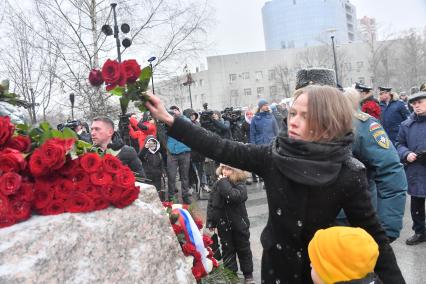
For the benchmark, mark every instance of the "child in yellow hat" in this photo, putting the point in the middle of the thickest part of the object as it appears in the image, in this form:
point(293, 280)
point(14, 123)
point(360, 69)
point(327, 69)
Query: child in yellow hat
point(343, 255)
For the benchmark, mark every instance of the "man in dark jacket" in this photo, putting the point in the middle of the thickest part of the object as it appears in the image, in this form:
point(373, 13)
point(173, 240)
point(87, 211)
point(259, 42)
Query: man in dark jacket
point(393, 112)
point(263, 127)
point(412, 150)
point(104, 137)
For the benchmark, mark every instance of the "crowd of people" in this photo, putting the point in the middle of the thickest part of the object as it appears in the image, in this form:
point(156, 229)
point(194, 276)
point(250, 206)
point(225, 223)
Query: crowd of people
point(331, 160)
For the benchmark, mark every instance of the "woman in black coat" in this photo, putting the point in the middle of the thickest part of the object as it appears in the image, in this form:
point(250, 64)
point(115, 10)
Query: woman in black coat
point(309, 175)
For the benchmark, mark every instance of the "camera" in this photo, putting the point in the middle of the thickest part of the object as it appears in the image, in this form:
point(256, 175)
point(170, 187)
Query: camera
point(231, 115)
point(72, 124)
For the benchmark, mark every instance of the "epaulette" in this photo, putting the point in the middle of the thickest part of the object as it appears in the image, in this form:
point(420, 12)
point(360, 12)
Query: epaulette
point(362, 116)
point(354, 164)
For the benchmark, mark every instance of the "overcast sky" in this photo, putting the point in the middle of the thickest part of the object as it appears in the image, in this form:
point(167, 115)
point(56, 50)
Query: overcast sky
point(239, 22)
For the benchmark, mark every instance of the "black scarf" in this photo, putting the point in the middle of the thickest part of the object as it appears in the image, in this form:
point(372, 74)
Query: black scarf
point(311, 163)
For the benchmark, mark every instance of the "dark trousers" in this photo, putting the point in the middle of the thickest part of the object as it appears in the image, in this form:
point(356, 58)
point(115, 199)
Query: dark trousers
point(181, 161)
point(199, 166)
point(156, 181)
point(418, 214)
point(236, 242)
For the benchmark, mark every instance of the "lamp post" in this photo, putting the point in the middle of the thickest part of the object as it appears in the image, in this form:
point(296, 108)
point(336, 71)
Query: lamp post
point(188, 82)
point(152, 72)
point(123, 124)
point(125, 28)
point(72, 97)
point(335, 60)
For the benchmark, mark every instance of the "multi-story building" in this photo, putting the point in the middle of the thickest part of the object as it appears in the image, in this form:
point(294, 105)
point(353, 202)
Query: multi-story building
point(303, 23)
point(242, 79)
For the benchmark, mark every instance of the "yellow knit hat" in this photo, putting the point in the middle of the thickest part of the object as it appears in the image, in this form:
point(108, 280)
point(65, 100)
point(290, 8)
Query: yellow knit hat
point(342, 254)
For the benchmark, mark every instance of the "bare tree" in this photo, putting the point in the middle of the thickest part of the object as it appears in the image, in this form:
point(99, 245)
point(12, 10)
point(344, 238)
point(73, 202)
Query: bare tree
point(412, 59)
point(29, 63)
point(284, 78)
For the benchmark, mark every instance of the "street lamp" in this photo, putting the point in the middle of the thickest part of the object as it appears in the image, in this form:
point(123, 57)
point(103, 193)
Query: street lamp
point(125, 28)
point(188, 82)
point(335, 60)
point(152, 72)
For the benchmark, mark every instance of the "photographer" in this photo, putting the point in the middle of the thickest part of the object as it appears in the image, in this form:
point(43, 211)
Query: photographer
point(221, 127)
point(80, 128)
point(235, 120)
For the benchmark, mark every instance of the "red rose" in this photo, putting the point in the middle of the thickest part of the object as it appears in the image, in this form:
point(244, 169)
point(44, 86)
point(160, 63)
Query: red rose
point(54, 208)
point(167, 204)
point(188, 249)
point(92, 191)
point(199, 223)
point(26, 192)
point(215, 262)
point(207, 241)
point(42, 197)
point(131, 69)
point(6, 220)
point(79, 202)
point(127, 197)
point(10, 183)
point(111, 164)
point(113, 74)
point(11, 160)
point(112, 194)
point(37, 166)
point(4, 204)
point(20, 210)
point(70, 166)
point(54, 151)
point(90, 162)
point(21, 143)
point(198, 271)
point(6, 130)
point(63, 189)
point(100, 178)
point(81, 178)
point(95, 77)
point(100, 203)
point(177, 229)
point(125, 178)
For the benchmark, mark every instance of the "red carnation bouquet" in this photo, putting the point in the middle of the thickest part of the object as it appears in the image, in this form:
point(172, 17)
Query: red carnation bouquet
point(125, 79)
point(51, 172)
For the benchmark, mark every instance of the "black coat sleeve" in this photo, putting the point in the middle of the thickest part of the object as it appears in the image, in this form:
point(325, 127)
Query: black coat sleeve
point(252, 158)
point(230, 192)
point(129, 157)
point(360, 213)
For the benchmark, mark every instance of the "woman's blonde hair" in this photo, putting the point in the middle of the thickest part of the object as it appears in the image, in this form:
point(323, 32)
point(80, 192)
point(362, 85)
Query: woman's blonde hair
point(236, 176)
point(329, 115)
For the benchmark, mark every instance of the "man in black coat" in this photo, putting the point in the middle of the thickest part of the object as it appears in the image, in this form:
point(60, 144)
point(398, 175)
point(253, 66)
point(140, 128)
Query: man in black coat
point(104, 137)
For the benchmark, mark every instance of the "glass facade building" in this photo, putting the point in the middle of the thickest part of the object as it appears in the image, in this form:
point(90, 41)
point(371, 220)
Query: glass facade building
point(303, 23)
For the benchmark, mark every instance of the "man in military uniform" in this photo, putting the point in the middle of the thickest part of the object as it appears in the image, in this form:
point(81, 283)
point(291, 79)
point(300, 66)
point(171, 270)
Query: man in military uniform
point(385, 173)
point(369, 104)
point(393, 112)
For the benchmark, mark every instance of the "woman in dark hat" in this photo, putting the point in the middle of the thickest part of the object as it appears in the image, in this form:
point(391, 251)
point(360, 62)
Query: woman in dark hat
point(310, 175)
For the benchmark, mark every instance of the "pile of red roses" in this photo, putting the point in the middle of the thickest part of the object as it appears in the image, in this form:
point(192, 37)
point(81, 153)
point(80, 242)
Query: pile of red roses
point(16, 190)
point(115, 74)
point(85, 184)
point(50, 182)
point(187, 247)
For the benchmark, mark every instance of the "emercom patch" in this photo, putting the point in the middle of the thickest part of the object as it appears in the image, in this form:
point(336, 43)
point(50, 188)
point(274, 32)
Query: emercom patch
point(381, 138)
